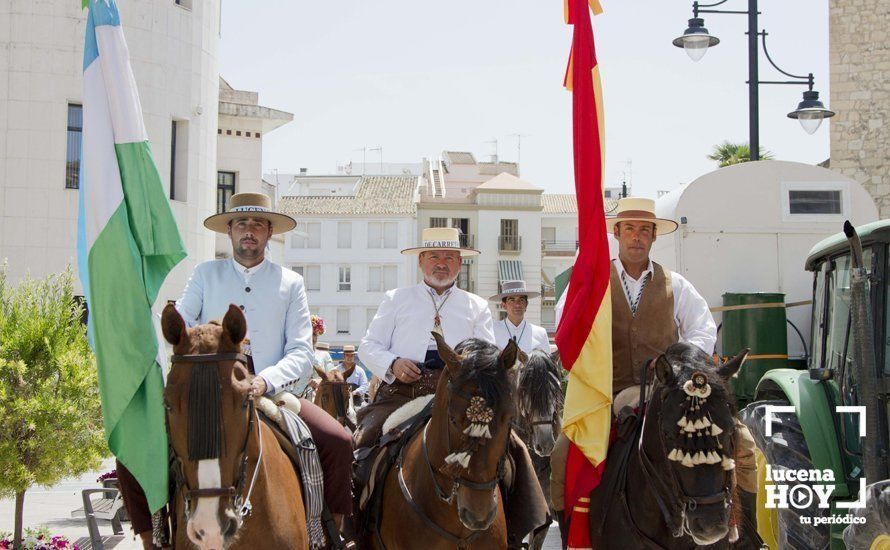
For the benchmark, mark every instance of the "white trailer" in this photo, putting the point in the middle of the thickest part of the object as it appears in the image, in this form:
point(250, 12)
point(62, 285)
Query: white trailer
point(749, 228)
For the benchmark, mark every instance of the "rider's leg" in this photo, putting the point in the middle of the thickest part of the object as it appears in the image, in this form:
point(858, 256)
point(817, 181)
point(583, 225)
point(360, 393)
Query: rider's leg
point(135, 502)
point(558, 482)
point(746, 471)
point(335, 453)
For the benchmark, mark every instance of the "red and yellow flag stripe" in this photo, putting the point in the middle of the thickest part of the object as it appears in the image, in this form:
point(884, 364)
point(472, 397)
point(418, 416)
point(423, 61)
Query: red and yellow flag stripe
point(584, 336)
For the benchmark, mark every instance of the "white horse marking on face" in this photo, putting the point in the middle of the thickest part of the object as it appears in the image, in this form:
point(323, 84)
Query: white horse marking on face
point(204, 529)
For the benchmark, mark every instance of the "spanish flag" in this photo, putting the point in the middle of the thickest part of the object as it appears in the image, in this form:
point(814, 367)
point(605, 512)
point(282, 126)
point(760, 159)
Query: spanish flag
point(584, 336)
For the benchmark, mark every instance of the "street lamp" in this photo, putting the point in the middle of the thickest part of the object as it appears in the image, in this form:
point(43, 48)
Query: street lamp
point(696, 40)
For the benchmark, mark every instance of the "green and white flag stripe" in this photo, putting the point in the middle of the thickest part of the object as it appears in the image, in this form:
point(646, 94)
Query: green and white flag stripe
point(127, 243)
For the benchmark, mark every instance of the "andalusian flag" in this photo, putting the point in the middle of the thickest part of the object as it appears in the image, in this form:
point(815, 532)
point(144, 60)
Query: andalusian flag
point(584, 336)
point(127, 242)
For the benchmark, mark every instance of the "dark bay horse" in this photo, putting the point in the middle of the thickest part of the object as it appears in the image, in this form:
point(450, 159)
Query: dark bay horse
point(538, 421)
point(335, 396)
point(236, 488)
point(443, 492)
point(670, 483)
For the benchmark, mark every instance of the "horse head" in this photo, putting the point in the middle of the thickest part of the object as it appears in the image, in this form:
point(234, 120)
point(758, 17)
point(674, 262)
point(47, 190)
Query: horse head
point(474, 410)
point(335, 396)
point(208, 389)
point(539, 400)
point(688, 437)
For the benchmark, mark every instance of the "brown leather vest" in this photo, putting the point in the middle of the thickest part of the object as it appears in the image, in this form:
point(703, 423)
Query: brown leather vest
point(642, 337)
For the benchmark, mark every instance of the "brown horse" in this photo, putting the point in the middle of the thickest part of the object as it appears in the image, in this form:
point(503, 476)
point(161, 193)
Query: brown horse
point(669, 483)
point(235, 486)
point(443, 492)
point(335, 396)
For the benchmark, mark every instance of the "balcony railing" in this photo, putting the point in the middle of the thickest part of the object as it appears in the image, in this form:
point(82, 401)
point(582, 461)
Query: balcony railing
point(559, 248)
point(510, 243)
point(468, 241)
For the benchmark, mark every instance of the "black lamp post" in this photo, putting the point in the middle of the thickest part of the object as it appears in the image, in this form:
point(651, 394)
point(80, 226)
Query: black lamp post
point(696, 40)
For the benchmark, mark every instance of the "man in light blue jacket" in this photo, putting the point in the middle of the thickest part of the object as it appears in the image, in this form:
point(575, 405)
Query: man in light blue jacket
point(274, 303)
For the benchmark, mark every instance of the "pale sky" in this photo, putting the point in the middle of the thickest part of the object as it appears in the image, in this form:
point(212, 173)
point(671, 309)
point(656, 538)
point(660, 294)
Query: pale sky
point(420, 77)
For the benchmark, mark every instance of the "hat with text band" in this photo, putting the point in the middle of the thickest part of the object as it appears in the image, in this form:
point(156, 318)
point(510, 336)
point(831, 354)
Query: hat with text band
point(348, 348)
point(250, 205)
point(441, 238)
point(513, 288)
point(640, 210)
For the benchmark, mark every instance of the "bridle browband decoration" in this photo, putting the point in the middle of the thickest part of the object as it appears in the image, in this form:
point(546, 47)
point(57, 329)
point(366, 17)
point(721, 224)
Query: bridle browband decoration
point(671, 496)
point(480, 416)
point(240, 503)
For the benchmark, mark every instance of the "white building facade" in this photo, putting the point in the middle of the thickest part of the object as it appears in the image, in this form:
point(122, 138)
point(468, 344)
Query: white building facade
point(41, 65)
point(347, 246)
point(173, 47)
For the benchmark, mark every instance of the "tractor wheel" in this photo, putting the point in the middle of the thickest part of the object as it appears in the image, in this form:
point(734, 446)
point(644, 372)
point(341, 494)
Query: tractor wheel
point(874, 532)
point(786, 449)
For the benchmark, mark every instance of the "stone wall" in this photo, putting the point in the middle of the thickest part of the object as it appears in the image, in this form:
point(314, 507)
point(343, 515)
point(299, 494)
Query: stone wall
point(860, 73)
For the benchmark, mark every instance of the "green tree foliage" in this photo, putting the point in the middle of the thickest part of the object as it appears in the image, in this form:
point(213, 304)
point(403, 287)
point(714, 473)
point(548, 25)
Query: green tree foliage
point(51, 421)
point(727, 154)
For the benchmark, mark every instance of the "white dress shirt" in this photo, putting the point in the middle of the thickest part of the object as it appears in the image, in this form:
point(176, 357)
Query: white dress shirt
point(528, 336)
point(695, 324)
point(274, 303)
point(403, 323)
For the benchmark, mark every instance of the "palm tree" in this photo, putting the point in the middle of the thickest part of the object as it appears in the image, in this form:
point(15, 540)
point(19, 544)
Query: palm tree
point(728, 153)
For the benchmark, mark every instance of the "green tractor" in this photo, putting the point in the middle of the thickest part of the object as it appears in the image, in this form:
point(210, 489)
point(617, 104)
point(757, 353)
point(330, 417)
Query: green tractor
point(816, 460)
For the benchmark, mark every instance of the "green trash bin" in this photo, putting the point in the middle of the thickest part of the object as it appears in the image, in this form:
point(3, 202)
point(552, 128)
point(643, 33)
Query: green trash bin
point(762, 328)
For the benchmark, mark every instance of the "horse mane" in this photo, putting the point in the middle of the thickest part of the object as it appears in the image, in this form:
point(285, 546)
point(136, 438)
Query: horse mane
point(481, 365)
point(539, 384)
point(205, 399)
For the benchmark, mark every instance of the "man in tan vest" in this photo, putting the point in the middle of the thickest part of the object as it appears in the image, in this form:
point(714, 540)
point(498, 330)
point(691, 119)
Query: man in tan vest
point(652, 308)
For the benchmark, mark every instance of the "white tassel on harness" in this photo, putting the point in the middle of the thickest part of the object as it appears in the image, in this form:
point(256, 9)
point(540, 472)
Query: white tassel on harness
point(462, 458)
point(480, 416)
point(478, 430)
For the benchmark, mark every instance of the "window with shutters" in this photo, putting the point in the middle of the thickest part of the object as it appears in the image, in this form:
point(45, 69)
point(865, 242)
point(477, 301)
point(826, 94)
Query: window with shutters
point(383, 234)
point(382, 277)
point(438, 222)
point(344, 235)
point(342, 321)
point(369, 316)
point(311, 276)
point(312, 238)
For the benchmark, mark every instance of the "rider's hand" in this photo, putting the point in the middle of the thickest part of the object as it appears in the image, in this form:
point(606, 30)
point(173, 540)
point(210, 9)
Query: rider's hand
point(258, 386)
point(405, 370)
point(313, 384)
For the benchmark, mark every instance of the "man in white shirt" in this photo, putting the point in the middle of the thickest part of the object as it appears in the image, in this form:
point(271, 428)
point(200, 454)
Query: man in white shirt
point(652, 308)
point(400, 350)
point(358, 378)
point(398, 346)
point(514, 298)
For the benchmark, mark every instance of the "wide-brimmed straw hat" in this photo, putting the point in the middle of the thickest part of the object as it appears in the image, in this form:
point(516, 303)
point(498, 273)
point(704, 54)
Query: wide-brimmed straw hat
point(441, 238)
point(513, 288)
point(322, 346)
point(348, 348)
point(640, 210)
point(250, 205)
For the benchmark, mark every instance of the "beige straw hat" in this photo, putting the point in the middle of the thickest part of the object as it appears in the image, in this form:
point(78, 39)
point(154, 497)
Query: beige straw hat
point(250, 205)
point(640, 210)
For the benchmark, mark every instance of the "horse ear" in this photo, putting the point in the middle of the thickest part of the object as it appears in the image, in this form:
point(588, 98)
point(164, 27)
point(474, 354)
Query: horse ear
point(523, 357)
point(510, 354)
point(172, 325)
point(234, 324)
point(664, 371)
point(348, 372)
point(446, 353)
point(728, 369)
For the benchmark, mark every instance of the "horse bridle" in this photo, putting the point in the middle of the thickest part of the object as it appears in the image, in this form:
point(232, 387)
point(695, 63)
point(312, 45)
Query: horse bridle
point(339, 405)
point(683, 502)
point(240, 503)
point(456, 480)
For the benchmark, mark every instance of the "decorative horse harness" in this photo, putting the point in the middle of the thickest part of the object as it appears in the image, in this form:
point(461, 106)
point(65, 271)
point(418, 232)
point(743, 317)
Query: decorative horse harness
point(670, 495)
point(480, 416)
point(240, 503)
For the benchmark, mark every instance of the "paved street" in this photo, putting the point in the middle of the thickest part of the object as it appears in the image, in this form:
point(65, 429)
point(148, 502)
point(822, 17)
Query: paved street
point(52, 507)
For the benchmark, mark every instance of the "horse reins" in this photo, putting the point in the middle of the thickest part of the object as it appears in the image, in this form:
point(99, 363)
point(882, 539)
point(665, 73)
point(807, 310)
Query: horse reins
point(241, 504)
